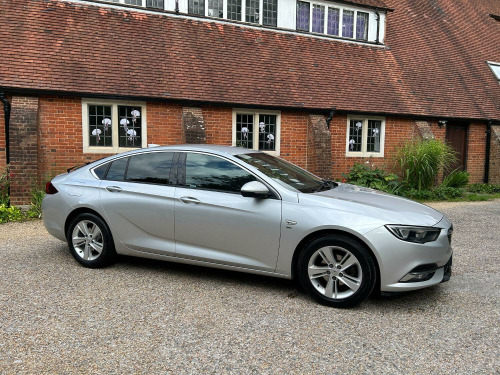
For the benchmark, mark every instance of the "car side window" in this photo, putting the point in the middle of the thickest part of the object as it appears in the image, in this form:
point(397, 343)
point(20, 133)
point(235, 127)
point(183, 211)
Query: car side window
point(214, 173)
point(116, 171)
point(101, 170)
point(152, 168)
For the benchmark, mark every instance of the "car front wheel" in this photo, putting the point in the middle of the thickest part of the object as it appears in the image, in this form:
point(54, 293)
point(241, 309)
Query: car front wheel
point(336, 270)
point(90, 241)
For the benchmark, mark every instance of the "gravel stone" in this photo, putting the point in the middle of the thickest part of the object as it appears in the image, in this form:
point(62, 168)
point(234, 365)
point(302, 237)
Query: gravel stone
point(144, 316)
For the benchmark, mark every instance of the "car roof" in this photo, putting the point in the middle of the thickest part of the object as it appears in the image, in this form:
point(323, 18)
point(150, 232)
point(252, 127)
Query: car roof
point(217, 149)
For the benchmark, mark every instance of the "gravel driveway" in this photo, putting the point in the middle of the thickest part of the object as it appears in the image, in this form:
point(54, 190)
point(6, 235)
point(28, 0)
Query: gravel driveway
point(157, 317)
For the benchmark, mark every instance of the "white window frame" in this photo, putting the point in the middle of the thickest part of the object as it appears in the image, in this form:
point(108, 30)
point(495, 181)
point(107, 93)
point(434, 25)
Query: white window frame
point(364, 137)
point(114, 125)
point(143, 4)
point(341, 9)
point(256, 113)
point(495, 68)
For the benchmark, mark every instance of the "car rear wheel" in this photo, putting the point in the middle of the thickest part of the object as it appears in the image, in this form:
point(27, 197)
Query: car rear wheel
point(90, 241)
point(336, 270)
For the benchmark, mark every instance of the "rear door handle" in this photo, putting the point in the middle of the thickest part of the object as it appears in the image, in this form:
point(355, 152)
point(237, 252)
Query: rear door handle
point(189, 200)
point(113, 189)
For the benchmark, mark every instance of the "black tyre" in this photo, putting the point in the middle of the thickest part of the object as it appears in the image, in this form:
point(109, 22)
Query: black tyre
point(90, 241)
point(336, 270)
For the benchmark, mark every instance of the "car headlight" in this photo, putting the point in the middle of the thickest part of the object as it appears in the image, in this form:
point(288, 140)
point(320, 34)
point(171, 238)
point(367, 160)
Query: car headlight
point(414, 234)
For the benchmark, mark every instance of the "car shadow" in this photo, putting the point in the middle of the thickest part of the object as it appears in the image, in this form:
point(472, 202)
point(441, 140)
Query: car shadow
point(418, 300)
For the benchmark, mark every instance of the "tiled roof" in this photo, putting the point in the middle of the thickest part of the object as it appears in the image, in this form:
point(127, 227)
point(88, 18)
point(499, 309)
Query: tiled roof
point(442, 47)
point(70, 47)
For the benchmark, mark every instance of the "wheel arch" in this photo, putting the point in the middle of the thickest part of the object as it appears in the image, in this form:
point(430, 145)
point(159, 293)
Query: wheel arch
point(324, 232)
point(78, 211)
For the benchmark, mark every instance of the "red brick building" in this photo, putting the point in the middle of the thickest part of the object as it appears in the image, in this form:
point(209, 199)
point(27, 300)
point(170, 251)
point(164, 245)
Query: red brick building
point(323, 84)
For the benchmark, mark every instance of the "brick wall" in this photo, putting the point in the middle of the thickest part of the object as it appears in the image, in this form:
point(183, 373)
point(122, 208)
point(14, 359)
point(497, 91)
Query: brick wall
point(164, 124)
point(193, 126)
point(476, 152)
point(494, 177)
point(294, 138)
point(60, 136)
point(319, 146)
point(397, 132)
point(218, 125)
point(23, 148)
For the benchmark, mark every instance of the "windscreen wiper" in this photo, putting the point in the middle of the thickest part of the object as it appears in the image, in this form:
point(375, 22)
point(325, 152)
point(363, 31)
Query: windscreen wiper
point(326, 185)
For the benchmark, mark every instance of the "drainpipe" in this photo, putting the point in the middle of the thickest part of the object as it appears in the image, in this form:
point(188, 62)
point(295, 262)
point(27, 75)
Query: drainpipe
point(6, 112)
point(487, 156)
point(377, 14)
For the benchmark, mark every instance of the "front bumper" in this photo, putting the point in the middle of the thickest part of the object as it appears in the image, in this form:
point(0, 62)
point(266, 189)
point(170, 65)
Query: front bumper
point(397, 259)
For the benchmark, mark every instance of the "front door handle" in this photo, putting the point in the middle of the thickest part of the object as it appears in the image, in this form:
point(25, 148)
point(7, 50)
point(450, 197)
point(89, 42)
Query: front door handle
point(189, 200)
point(113, 189)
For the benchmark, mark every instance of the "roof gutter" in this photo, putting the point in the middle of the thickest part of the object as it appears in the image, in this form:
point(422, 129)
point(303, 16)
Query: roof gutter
point(488, 150)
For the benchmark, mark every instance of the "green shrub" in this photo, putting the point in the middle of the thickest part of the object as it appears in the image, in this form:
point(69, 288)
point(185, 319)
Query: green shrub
point(35, 211)
point(438, 194)
point(4, 187)
point(421, 160)
point(484, 188)
point(10, 213)
point(456, 179)
point(372, 177)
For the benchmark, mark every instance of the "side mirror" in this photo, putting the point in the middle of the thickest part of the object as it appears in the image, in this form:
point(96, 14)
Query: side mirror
point(255, 189)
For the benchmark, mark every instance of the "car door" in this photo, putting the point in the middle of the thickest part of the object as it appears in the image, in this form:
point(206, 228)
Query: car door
point(215, 223)
point(137, 195)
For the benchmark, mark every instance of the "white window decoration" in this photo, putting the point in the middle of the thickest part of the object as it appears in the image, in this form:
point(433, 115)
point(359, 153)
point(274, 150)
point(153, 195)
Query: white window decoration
point(495, 67)
point(257, 130)
point(113, 126)
point(365, 136)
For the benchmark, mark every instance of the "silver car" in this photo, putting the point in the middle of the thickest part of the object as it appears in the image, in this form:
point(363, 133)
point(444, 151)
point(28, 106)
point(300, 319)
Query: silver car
point(243, 210)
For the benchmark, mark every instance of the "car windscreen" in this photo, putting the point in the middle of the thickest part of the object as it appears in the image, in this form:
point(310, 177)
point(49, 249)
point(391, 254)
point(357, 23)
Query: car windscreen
point(284, 173)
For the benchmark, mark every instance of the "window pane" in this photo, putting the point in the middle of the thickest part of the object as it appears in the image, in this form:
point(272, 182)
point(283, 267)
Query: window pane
point(196, 7)
point(101, 170)
point(129, 130)
point(355, 135)
point(244, 131)
point(133, 2)
point(153, 168)
point(270, 13)
point(100, 126)
point(302, 16)
point(214, 173)
point(252, 11)
point(155, 4)
point(215, 8)
point(373, 136)
point(318, 18)
point(267, 132)
point(348, 23)
point(362, 26)
point(333, 21)
point(116, 171)
point(234, 10)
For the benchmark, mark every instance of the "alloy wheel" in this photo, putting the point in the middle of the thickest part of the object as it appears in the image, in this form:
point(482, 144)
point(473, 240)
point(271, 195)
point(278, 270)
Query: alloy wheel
point(335, 272)
point(87, 240)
